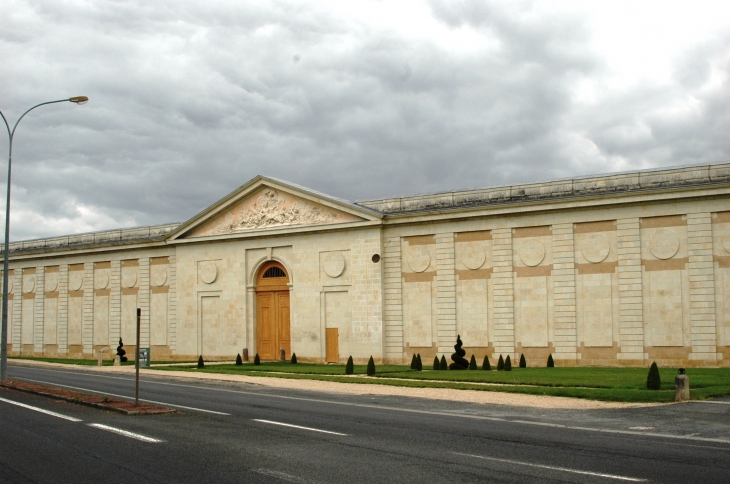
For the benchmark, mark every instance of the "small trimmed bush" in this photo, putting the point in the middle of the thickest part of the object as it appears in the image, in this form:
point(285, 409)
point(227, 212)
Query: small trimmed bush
point(293, 358)
point(419, 363)
point(371, 367)
point(436, 364)
point(485, 364)
point(473, 363)
point(413, 362)
point(551, 363)
point(500, 363)
point(443, 365)
point(523, 363)
point(653, 382)
point(507, 364)
point(257, 360)
point(201, 363)
point(239, 361)
point(349, 367)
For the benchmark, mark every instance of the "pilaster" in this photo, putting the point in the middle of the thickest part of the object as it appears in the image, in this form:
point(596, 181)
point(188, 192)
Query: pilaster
point(393, 298)
point(566, 331)
point(144, 301)
point(631, 315)
point(40, 293)
point(63, 309)
point(446, 292)
point(172, 303)
point(504, 308)
point(115, 303)
point(701, 287)
point(87, 331)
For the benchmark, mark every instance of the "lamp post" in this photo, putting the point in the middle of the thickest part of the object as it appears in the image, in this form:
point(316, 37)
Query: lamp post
point(11, 133)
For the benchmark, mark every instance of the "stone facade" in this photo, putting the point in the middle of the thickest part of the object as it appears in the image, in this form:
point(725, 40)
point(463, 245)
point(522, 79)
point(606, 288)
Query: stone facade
point(622, 269)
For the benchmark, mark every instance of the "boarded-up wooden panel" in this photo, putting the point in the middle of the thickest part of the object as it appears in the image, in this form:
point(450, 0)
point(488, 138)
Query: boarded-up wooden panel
point(333, 352)
point(210, 322)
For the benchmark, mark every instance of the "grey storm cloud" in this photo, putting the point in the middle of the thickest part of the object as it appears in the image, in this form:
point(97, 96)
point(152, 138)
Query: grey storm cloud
point(191, 99)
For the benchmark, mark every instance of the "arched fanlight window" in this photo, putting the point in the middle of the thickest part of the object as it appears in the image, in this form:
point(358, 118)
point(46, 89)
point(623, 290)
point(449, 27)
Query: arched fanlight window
point(274, 272)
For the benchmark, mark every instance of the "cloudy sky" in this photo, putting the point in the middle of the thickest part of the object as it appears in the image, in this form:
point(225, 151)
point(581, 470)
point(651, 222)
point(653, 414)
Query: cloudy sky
point(358, 99)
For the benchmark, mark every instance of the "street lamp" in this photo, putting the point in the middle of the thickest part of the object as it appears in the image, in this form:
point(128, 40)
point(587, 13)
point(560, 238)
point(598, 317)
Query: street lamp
point(11, 133)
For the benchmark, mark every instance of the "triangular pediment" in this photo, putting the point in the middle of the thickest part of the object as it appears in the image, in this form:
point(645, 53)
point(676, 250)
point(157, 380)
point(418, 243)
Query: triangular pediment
point(266, 204)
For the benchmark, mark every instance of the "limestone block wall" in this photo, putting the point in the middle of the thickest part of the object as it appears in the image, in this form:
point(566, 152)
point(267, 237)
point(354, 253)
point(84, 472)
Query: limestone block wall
point(72, 306)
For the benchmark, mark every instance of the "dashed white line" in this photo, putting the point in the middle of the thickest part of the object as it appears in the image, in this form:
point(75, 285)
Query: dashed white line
point(297, 426)
point(125, 433)
point(283, 476)
point(554, 468)
point(128, 398)
point(41, 410)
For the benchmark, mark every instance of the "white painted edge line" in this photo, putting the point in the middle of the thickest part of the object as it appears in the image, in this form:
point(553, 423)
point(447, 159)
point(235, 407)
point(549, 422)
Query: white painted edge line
point(423, 412)
point(296, 426)
point(125, 433)
point(42, 410)
point(710, 401)
point(128, 398)
point(283, 476)
point(554, 468)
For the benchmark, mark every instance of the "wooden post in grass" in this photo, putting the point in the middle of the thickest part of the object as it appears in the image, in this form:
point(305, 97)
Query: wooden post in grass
point(136, 359)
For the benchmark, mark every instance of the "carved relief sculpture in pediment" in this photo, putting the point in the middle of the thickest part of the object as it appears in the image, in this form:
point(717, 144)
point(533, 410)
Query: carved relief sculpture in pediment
point(269, 209)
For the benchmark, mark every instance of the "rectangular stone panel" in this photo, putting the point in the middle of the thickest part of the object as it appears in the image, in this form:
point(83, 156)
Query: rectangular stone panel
point(338, 314)
point(210, 316)
point(531, 311)
point(75, 319)
point(50, 320)
point(129, 319)
point(418, 313)
point(158, 318)
point(101, 320)
point(664, 304)
point(472, 311)
point(28, 314)
point(595, 309)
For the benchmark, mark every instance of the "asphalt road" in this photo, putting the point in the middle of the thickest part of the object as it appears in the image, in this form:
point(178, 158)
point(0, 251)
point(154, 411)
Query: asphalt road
point(251, 433)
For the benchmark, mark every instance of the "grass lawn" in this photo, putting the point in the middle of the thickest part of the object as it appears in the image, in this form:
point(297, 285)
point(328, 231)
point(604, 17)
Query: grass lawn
point(79, 361)
point(608, 384)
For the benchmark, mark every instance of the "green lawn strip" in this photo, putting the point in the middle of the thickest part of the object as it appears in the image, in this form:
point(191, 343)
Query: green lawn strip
point(603, 394)
point(80, 361)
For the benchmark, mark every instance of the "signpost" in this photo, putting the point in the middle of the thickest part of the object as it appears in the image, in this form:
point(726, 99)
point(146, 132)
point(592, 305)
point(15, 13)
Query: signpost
point(144, 357)
point(136, 360)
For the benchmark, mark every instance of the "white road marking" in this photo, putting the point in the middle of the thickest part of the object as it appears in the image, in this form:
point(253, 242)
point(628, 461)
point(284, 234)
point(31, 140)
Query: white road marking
point(554, 468)
point(41, 410)
point(428, 412)
point(283, 476)
point(125, 433)
point(128, 398)
point(296, 426)
point(710, 401)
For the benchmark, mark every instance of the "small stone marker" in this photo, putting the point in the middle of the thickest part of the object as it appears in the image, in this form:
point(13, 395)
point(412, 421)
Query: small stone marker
point(282, 354)
point(681, 387)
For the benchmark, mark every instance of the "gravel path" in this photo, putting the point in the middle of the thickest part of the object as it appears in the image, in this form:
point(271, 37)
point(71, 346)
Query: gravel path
point(470, 396)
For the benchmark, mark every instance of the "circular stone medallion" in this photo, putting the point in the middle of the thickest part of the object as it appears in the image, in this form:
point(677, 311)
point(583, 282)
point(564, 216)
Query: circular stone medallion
point(75, 280)
point(129, 276)
point(726, 244)
point(532, 252)
point(208, 272)
point(28, 284)
point(102, 279)
point(596, 248)
point(159, 275)
point(664, 244)
point(51, 281)
point(334, 264)
point(474, 256)
point(419, 259)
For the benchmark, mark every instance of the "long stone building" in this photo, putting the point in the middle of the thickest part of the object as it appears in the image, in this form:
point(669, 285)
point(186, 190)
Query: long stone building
point(621, 269)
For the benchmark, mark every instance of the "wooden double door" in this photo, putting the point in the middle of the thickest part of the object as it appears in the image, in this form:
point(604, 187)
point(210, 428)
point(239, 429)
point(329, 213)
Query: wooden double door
point(273, 325)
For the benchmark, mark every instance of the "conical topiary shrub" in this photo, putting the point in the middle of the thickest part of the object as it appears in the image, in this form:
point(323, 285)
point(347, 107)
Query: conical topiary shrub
point(293, 358)
point(459, 362)
point(442, 364)
point(551, 363)
point(485, 364)
point(419, 363)
point(507, 364)
point(436, 364)
point(413, 362)
point(349, 367)
point(239, 361)
point(653, 382)
point(523, 362)
point(473, 363)
point(500, 364)
point(201, 363)
point(256, 360)
point(371, 367)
